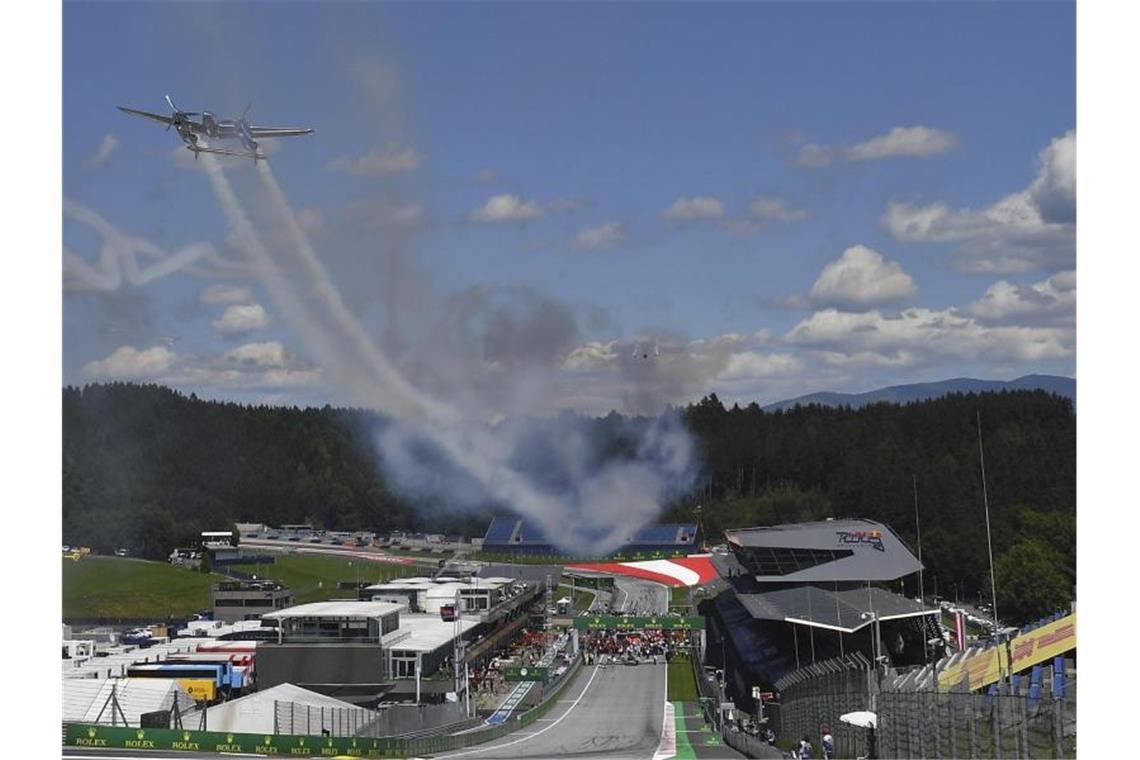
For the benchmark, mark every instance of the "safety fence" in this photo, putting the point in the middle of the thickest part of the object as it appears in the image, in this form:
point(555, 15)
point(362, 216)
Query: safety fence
point(87, 735)
point(1002, 723)
point(394, 720)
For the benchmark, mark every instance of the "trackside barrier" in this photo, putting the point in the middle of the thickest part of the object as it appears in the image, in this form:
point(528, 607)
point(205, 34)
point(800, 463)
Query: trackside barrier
point(86, 735)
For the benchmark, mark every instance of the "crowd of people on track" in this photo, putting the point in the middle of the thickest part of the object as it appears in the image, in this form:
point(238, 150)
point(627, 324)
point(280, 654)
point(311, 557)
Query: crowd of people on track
point(642, 645)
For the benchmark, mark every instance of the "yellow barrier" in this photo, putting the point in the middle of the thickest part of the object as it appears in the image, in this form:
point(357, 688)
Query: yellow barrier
point(1028, 649)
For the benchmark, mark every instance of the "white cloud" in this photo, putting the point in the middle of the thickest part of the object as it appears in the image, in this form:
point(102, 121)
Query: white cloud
point(776, 210)
point(752, 365)
point(129, 363)
point(225, 295)
point(378, 162)
point(862, 277)
point(267, 354)
point(107, 146)
point(931, 333)
point(911, 142)
point(241, 318)
point(591, 356)
point(1026, 230)
point(697, 207)
point(815, 156)
point(600, 237)
point(899, 142)
point(506, 208)
point(1054, 299)
point(1054, 190)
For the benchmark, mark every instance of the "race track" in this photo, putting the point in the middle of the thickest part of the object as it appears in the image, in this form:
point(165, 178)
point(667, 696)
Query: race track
point(613, 711)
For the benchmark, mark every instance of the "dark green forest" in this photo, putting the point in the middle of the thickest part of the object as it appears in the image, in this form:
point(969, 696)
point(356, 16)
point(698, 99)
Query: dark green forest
point(147, 468)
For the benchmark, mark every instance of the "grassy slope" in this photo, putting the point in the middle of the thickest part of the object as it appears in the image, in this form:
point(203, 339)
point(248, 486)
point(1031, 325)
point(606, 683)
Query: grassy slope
point(313, 577)
point(132, 588)
point(582, 599)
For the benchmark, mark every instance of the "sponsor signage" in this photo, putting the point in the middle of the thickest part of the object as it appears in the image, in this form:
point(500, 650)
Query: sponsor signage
point(1027, 650)
point(657, 623)
point(273, 745)
point(872, 538)
point(526, 673)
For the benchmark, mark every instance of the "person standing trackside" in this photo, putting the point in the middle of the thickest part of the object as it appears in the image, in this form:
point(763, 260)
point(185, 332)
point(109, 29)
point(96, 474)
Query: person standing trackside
point(827, 743)
point(805, 749)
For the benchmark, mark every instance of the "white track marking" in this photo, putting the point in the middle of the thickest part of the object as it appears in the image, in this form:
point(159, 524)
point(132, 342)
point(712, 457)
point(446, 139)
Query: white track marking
point(569, 710)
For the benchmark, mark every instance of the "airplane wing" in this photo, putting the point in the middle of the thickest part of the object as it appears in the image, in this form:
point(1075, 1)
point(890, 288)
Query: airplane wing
point(147, 115)
point(279, 131)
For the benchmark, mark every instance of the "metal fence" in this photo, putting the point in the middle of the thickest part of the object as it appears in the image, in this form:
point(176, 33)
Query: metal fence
point(396, 720)
point(926, 723)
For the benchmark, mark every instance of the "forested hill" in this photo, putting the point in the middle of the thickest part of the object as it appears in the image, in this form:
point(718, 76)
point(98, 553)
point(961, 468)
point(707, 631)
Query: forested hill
point(149, 468)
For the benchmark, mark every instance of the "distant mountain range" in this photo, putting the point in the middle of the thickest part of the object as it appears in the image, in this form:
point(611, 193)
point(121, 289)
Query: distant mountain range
point(902, 394)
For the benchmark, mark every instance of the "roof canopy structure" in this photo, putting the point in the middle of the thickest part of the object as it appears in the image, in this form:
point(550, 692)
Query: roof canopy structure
point(831, 551)
point(349, 609)
point(846, 610)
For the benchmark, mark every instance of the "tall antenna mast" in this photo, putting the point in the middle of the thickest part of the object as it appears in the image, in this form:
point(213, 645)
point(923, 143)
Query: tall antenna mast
point(989, 539)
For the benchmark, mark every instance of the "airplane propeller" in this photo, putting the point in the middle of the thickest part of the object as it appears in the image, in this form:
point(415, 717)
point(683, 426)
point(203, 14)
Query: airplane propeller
point(178, 112)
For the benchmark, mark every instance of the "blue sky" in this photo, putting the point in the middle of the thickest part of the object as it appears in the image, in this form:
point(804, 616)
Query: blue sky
point(777, 198)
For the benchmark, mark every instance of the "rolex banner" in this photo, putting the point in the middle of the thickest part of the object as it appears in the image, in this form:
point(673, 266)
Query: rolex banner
point(108, 737)
point(662, 623)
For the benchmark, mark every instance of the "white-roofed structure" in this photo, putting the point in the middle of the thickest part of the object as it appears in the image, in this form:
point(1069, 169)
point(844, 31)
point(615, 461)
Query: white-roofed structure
point(340, 621)
point(90, 700)
point(254, 713)
point(119, 658)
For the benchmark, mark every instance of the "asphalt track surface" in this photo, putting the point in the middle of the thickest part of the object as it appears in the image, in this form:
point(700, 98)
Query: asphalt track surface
point(638, 597)
point(613, 711)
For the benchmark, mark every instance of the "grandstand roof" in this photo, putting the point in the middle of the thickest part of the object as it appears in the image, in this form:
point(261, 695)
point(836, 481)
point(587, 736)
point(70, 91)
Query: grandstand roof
point(517, 532)
point(844, 610)
point(830, 550)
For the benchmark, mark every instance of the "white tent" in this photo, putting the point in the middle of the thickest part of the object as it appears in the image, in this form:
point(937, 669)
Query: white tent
point(253, 713)
point(85, 698)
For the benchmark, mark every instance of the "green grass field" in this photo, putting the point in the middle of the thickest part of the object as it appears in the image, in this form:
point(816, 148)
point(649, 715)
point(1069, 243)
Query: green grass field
point(313, 577)
point(582, 599)
point(682, 682)
point(131, 588)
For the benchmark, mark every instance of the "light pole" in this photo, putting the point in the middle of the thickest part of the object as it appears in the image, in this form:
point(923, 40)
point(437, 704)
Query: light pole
point(873, 616)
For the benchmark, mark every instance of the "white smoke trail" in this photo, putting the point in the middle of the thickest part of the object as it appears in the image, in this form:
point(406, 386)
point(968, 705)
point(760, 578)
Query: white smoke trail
point(588, 521)
point(286, 298)
point(118, 256)
point(397, 391)
point(440, 455)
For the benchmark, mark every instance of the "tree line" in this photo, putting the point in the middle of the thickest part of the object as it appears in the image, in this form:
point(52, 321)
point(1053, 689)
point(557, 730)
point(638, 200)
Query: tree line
point(148, 468)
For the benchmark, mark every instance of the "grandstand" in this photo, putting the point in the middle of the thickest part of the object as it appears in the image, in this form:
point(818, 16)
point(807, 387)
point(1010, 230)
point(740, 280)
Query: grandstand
point(804, 593)
point(511, 535)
